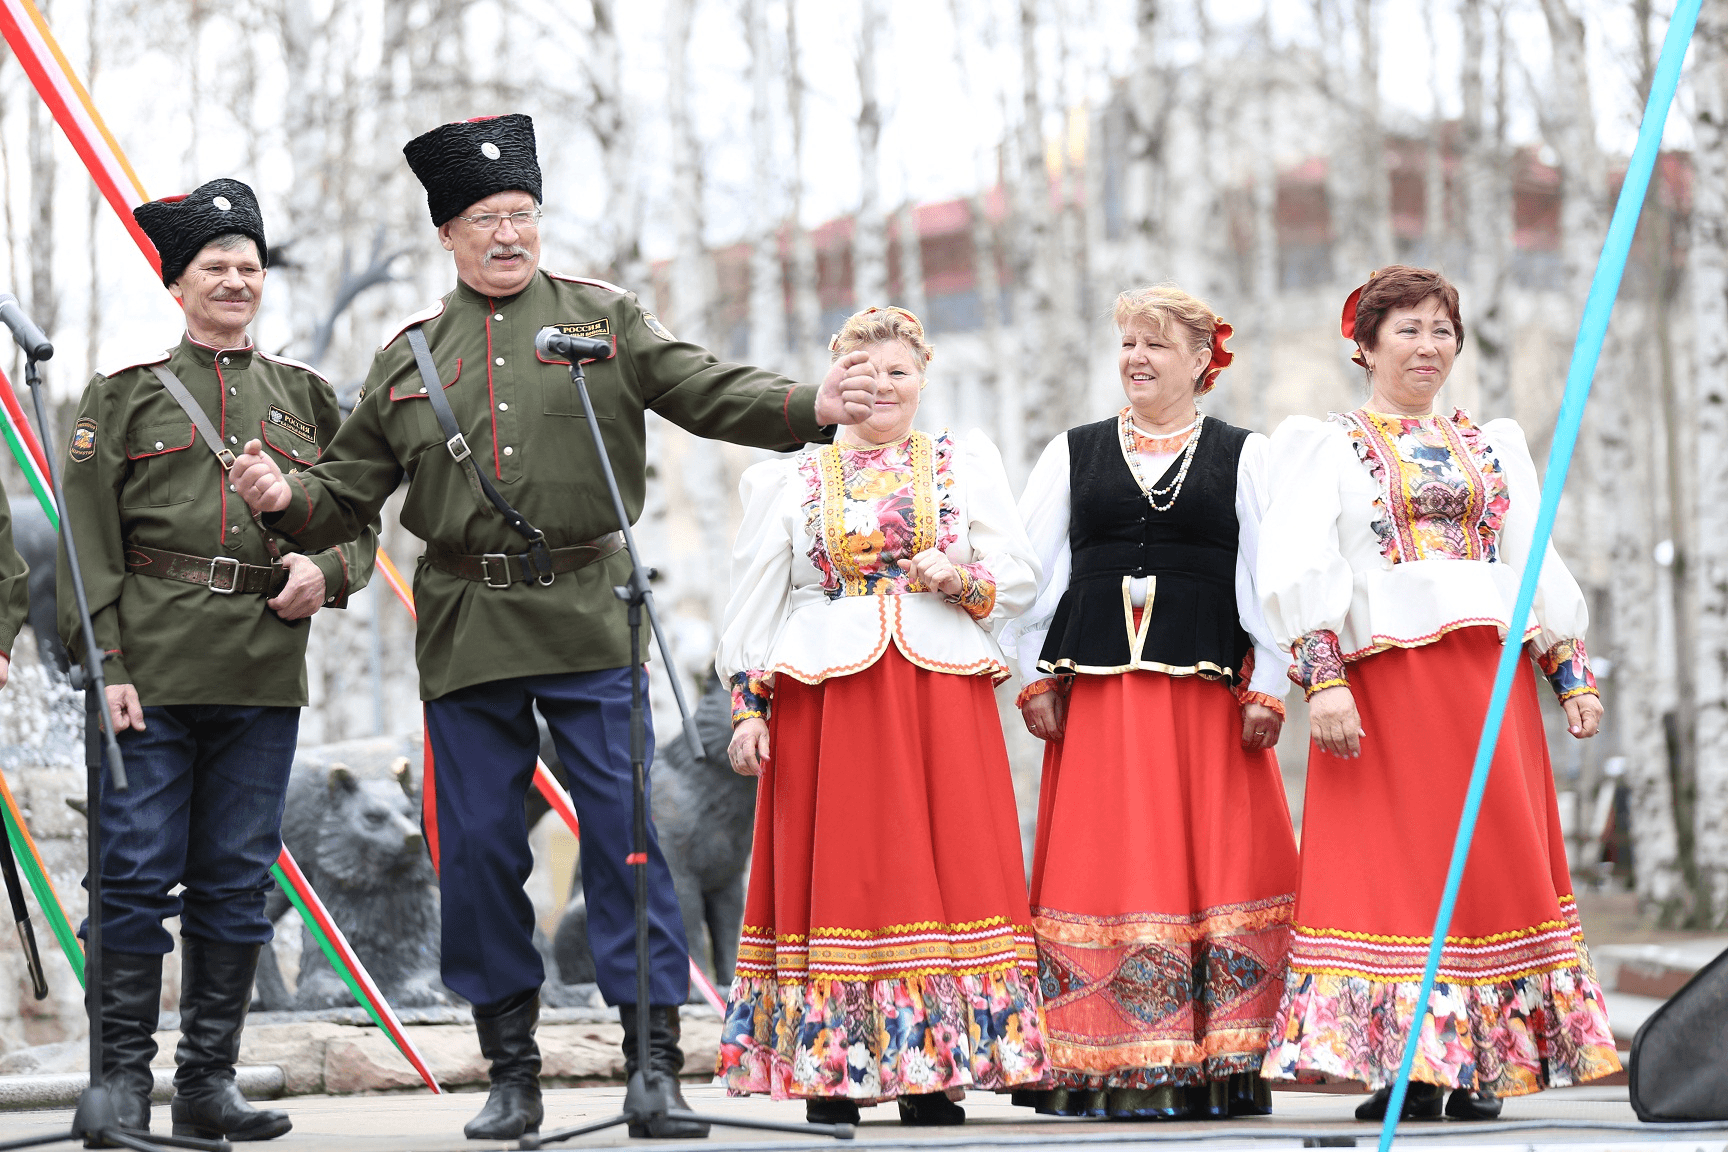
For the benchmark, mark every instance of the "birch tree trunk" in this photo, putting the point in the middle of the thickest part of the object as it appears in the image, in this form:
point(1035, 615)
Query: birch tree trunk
point(1487, 202)
point(1027, 386)
point(93, 206)
point(1614, 558)
point(44, 302)
point(1358, 191)
point(692, 267)
point(1264, 200)
point(621, 222)
point(1707, 267)
point(808, 347)
point(1434, 218)
point(767, 290)
point(870, 226)
point(911, 243)
point(1143, 251)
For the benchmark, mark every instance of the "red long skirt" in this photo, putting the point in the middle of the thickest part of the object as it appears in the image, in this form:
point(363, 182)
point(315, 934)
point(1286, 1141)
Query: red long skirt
point(887, 946)
point(1163, 883)
point(1516, 1007)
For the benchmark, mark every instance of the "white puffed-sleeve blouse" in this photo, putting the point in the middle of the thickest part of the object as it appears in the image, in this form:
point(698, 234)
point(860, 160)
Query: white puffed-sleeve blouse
point(819, 587)
point(1393, 531)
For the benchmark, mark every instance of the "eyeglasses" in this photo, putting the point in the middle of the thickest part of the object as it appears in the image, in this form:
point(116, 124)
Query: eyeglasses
point(489, 221)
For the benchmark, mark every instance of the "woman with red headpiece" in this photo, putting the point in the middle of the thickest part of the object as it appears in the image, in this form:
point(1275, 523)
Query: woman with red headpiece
point(1390, 560)
point(1164, 873)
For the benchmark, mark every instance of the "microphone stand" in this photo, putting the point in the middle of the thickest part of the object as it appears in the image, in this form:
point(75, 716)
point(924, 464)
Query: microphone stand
point(646, 1098)
point(96, 1123)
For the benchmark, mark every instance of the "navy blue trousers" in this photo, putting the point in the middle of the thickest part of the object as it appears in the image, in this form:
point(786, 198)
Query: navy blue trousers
point(484, 743)
point(203, 808)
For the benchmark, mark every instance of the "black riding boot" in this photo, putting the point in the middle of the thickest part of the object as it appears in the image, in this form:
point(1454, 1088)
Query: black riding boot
point(131, 1001)
point(215, 992)
point(506, 1031)
point(666, 1060)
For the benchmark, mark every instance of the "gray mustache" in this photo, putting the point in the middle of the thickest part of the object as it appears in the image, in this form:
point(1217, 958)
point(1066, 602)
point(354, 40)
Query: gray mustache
point(505, 250)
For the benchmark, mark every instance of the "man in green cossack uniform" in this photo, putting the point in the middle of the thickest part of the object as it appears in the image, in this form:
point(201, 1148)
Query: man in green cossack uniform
point(506, 626)
point(203, 616)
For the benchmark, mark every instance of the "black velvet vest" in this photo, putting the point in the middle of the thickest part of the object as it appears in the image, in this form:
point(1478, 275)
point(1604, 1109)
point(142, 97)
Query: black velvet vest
point(1190, 626)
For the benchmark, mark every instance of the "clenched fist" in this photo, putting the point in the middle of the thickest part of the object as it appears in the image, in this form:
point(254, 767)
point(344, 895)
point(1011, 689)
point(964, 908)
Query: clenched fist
point(848, 393)
point(258, 481)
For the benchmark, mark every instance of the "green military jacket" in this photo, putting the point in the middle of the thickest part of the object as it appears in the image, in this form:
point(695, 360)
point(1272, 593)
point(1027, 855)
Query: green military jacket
point(523, 421)
point(14, 583)
point(138, 473)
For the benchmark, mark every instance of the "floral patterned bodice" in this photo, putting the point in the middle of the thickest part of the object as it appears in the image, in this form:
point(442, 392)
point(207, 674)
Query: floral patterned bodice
point(868, 511)
point(1443, 493)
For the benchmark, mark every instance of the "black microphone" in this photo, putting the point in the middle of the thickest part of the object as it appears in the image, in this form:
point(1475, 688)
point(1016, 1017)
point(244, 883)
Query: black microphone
point(551, 342)
point(24, 330)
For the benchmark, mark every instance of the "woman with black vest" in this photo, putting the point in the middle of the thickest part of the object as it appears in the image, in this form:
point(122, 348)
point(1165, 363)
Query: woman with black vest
point(1164, 871)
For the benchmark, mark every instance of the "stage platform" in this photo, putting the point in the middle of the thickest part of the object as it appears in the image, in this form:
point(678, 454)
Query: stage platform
point(420, 1122)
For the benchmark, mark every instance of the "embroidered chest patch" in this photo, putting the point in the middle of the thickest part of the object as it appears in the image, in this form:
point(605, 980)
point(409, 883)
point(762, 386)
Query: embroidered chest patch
point(282, 418)
point(600, 329)
point(83, 441)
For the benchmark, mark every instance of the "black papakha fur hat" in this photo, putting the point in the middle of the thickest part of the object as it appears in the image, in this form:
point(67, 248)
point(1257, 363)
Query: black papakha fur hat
point(469, 160)
point(180, 226)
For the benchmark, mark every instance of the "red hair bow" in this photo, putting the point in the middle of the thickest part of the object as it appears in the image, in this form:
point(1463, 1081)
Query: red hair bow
point(1221, 357)
point(1347, 321)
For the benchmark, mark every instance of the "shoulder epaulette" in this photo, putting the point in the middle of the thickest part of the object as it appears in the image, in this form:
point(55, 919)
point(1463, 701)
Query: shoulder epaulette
point(431, 311)
point(138, 360)
point(276, 358)
point(606, 284)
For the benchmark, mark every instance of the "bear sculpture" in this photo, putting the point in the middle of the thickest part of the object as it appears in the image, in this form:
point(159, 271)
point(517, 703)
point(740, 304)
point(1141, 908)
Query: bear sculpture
point(353, 825)
point(704, 813)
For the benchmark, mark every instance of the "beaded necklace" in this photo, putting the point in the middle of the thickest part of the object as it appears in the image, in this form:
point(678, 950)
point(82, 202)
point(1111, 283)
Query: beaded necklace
point(1130, 453)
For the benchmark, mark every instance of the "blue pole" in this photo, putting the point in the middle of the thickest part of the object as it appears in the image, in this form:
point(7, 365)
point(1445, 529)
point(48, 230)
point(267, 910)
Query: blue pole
point(1592, 330)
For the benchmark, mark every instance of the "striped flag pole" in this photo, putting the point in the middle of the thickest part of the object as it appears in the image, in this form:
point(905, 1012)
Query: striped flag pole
point(27, 450)
point(346, 963)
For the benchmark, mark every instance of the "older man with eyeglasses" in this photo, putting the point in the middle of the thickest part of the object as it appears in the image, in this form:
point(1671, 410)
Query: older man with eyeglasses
point(508, 621)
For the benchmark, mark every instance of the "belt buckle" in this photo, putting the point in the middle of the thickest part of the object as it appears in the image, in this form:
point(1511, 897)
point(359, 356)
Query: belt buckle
point(229, 565)
point(486, 569)
point(458, 446)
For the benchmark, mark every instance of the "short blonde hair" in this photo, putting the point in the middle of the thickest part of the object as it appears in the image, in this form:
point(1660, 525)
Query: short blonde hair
point(875, 325)
point(1179, 316)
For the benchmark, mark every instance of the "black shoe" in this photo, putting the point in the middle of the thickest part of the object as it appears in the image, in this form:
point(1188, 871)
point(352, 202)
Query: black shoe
point(131, 1001)
point(830, 1110)
point(215, 992)
point(1421, 1102)
point(666, 1060)
point(929, 1110)
point(1464, 1104)
point(1250, 1095)
point(506, 1030)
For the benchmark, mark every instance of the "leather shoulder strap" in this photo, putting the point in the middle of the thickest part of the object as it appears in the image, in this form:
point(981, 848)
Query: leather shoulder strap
point(212, 438)
point(457, 444)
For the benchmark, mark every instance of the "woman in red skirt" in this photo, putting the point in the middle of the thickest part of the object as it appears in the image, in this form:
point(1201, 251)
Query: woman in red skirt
point(887, 948)
point(1390, 561)
point(1164, 874)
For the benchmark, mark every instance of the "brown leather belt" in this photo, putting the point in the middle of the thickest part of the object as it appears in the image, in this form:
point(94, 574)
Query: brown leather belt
point(502, 569)
point(223, 575)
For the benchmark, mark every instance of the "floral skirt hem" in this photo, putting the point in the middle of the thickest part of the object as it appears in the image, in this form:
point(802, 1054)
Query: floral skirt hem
point(1540, 1030)
point(874, 1040)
